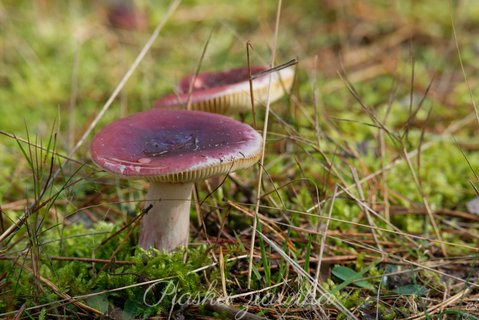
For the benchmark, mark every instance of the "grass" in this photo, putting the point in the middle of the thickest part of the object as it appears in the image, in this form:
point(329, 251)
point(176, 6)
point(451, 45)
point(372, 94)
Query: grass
point(369, 164)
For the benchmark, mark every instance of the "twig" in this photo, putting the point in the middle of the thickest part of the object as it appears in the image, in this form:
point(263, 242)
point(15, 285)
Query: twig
point(20, 312)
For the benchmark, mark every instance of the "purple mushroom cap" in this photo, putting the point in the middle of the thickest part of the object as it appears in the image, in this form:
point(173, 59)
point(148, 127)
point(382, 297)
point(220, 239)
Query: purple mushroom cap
point(226, 91)
point(126, 16)
point(175, 145)
point(217, 81)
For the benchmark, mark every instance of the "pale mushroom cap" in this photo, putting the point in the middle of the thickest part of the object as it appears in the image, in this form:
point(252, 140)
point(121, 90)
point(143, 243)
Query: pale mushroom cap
point(228, 92)
point(175, 146)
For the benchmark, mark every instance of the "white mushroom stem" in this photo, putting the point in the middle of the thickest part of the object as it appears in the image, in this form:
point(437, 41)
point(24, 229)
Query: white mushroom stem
point(166, 225)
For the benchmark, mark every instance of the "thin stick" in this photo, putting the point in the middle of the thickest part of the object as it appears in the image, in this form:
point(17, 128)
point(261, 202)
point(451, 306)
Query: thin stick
point(222, 273)
point(71, 106)
point(198, 68)
point(476, 112)
point(315, 102)
point(280, 67)
point(265, 133)
point(251, 92)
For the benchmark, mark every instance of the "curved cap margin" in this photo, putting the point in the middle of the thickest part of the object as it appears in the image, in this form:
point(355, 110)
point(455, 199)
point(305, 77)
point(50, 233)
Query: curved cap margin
point(175, 146)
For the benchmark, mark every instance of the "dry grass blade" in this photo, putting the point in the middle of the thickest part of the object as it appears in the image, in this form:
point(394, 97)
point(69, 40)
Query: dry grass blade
point(435, 226)
point(249, 47)
point(198, 67)
point(368, 215)
point(324, 233)
point(365, 108)
point(222, 272)
point(280, 67)
point(29, 143)
point(459, 55)
point(394, 230)
point(463, 282)
point(133, 221)
point(265, 134)
point(324, 294)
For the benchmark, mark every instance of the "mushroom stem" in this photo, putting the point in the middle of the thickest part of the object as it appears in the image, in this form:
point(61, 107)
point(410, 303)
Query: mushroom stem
point(165, 226)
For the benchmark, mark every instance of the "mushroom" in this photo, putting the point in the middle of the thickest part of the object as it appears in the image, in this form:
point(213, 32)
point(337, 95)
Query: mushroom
point(124, 15)
point(172, 149)
point(228, 92)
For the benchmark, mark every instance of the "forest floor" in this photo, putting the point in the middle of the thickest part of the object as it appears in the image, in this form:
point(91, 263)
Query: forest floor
point(365, 203)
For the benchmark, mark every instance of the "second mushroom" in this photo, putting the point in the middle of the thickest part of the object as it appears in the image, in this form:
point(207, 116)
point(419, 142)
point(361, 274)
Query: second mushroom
point(228, 92)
